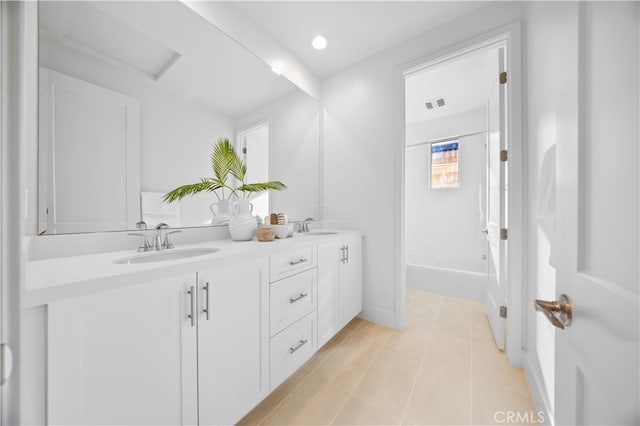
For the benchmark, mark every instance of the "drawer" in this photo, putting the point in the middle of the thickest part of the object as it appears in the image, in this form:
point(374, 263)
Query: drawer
point(292, 347)
point(285, 264)
point(292, 298)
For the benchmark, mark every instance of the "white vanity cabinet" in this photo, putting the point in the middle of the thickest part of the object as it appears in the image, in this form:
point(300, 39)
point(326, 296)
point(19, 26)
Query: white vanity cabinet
point(127, 356)
point(233, 341)
point(204, 344)
point(155, 352)
point(339, 285)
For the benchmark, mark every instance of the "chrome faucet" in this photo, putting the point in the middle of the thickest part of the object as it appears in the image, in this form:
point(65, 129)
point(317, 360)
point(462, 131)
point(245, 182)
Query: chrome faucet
point(158, 238)
point(305, 224)
point(166, 244)
point(145, 245)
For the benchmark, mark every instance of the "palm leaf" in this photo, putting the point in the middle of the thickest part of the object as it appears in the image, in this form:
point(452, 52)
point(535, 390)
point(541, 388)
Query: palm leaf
point(208, 185)
point(262, 186)
point(222, 158)
point(238, 167)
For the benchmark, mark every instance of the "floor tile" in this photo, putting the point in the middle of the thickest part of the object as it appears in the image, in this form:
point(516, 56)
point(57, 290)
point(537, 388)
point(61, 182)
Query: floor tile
point(442, 396)
point(270, 402)
point(491, 404)
point(412, 340)
point(348, 362)
point(389, 381)
point(314, 402)
point(358, 412)
point(354, 323)
point(372, 331)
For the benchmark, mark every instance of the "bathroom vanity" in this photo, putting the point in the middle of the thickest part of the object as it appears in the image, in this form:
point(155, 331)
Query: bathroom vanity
point(198, 340)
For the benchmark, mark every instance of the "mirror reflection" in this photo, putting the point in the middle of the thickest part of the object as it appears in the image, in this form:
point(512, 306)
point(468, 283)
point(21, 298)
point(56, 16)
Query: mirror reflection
point(132, 98)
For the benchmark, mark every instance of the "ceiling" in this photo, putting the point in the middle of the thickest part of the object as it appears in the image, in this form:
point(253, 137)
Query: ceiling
point(175, 49)
point(356, 30)
point(169, 46)
point(464, 83)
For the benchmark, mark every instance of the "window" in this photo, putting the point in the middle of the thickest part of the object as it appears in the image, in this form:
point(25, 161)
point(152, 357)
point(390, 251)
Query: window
point(444, 164)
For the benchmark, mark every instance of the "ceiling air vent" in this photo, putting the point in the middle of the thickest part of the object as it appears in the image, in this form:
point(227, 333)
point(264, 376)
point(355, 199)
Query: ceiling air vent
point(435, 103)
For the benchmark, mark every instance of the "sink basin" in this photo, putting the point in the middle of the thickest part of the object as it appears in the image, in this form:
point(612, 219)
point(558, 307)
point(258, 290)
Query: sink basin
point(311, 233)
point(162, 256)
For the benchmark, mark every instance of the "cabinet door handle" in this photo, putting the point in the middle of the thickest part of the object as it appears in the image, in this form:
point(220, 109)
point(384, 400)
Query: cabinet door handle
point(300, 344)
point(192, 316)
point(346, 249)
point(206, 309)
point(298, 261)
point(298, 297)
point(342, 254)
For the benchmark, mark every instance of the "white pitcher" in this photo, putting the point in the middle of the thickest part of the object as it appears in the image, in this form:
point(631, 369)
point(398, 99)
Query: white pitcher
point(242, 225)
point(221, 212)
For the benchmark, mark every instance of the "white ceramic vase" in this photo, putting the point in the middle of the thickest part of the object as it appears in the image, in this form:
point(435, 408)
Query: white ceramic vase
point(242, 225)
point(221, 212)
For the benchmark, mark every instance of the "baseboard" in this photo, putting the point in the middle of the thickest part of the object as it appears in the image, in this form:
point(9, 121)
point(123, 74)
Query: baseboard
point(379, 316)
point(450, 282)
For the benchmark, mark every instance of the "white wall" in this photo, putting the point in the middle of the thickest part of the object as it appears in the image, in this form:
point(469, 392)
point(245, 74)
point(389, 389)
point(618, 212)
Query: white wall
point(443, 225)
point(176, 136)
point(362, 132)
point(294, 144)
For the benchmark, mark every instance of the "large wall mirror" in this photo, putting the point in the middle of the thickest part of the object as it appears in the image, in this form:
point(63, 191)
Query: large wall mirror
point(132, 97)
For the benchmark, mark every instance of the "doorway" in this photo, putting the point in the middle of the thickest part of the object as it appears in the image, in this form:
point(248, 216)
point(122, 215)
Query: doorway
point(507, 40)
point(254, 146)
point(454, 181)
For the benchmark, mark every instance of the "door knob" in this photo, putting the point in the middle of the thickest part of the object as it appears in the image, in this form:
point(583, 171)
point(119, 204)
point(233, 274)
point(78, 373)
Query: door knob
point(485, 231)
point(563, 308)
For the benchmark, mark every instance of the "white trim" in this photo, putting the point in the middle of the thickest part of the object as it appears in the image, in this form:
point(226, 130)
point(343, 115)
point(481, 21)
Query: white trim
point(537, 388)
point(510, 36)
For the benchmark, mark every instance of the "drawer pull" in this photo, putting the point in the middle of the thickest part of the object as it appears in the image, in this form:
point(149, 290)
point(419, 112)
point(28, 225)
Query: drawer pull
point(298, 261)
point(300, 344)
point(298, 297)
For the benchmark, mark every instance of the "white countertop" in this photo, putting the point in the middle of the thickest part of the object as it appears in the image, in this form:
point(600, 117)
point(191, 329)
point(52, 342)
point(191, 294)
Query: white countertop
point(59, 278)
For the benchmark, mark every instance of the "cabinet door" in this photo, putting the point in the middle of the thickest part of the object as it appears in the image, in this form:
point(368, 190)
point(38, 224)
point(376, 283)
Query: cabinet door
point(351, 280)
point(329, 324)
point(233, 341)
point(123, 357)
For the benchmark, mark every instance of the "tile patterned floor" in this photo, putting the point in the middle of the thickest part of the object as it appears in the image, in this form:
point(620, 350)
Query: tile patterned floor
point(443, 368)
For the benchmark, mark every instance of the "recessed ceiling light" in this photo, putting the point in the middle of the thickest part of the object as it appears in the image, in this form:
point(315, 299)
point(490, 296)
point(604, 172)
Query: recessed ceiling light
point(319, 42)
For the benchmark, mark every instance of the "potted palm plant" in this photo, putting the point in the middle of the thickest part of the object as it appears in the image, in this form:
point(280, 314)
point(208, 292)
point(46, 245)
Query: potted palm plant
point(226, 164)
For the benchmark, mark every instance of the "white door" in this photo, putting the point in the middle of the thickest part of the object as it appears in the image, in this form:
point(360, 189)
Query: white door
point(496, 207)
point(597, 354)
point(350, 279)
point(125, 357)
point(233, 340)
point(90, 148)
point(329, 258)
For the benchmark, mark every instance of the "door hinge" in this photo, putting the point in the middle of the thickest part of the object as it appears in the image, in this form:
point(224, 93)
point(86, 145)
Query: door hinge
point(244, 150)
point(503, 233)
point(503, 311)
point(504, 155)
point(503, 77)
